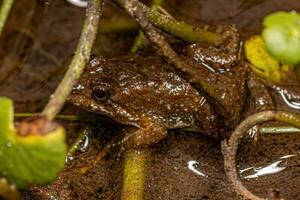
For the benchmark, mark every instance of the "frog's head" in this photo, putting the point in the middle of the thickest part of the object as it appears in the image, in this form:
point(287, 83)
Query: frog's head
point(103, 89)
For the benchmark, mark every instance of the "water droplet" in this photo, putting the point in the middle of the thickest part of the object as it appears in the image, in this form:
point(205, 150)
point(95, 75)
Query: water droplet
point(69, 159)
point(84, 143)
point(8, 144)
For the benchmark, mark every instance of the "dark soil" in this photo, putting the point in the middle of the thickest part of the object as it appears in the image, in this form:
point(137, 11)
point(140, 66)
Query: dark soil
point(37, 45)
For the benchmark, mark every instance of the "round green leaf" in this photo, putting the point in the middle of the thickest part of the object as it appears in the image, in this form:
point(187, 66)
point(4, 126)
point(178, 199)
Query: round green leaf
point(281, 36)
point(33, 158)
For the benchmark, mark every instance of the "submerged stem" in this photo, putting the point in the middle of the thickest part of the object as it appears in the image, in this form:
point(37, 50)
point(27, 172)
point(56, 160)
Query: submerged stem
point(134, 174)
point(230, 147)
point(178, 29)
point(82, 54)
point(4, 12)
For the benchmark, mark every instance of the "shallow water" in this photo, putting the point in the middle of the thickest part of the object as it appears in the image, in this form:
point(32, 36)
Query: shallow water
point(35, 49)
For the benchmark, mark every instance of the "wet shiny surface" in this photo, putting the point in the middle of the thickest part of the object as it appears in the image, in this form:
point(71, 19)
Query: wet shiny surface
point(180, 160)
point(135, 90)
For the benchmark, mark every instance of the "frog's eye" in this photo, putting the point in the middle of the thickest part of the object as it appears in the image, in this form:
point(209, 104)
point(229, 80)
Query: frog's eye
point(101, 94)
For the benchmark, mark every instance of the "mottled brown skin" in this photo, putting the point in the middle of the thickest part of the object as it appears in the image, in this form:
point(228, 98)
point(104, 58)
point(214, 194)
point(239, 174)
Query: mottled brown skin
point(145, 93)
point(226, 78)
point(149, 94)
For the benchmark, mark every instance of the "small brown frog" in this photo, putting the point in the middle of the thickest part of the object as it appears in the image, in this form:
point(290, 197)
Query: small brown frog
point(146, 93)
point(149, 94)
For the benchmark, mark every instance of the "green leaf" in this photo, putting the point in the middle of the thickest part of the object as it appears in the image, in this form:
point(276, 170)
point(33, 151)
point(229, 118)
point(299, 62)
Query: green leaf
point(262, 63)
point(282, 36)
point(281, 18)
point(29, 157)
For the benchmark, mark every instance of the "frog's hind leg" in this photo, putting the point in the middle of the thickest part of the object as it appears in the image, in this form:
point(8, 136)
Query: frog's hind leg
point(223, 57)
point(261, 99)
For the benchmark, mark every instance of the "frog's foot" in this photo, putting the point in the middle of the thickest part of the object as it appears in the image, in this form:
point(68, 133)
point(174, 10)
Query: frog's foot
point(149, 133)
point(262, 99)
point(221, 58)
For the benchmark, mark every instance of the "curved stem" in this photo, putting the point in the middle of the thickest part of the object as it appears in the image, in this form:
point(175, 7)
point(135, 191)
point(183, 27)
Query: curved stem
point(79, 60)
point(230, 147)
point(4, 12)
point(178, 29)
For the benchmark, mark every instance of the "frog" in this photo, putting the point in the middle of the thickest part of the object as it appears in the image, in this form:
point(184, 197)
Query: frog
point(154, 96)
point(145, 93)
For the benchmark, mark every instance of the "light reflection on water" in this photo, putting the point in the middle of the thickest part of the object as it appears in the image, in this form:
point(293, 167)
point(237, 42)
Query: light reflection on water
point(289, 101)
point(194, 167)
point(273, 168)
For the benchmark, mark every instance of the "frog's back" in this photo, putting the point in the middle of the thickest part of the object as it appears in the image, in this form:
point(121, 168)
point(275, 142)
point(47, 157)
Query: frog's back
point(149, 87)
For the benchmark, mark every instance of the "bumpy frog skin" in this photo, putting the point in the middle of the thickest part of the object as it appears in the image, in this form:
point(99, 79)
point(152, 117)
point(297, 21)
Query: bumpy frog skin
point(149, 94)
point(145, 93)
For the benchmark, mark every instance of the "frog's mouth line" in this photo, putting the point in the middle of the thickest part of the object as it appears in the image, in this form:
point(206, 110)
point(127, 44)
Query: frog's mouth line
point(89, 105)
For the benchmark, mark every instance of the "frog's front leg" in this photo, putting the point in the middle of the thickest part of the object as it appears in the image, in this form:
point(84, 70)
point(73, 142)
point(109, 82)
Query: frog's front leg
point(222, 57)
point(260, 94)
point(150, 132)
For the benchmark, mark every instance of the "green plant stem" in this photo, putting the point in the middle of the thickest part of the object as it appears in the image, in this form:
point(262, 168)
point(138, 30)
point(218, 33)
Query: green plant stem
point(134, 171)
point(118, 25)
point(8, 191)
point(89, 118)
point(178, 29)
point(72, 118)
point(138, 42)
point(134, 8)
point(78, 62)
point(4, 12)
point(278, 130)
point(230, 147)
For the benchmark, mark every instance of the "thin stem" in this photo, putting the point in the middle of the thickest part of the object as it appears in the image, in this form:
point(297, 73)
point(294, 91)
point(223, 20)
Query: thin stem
point(230, 147)
point(133, 7)
point(4, 12)
point(79, 60)
point(134, 174)
point(72, 118)
point(138, 42)
point(278, 130)
point(9, 192)
point(118, 25)
point(178, 29)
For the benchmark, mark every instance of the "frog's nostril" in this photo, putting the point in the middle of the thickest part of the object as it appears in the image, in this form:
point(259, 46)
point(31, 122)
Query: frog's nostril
point(79, 3)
